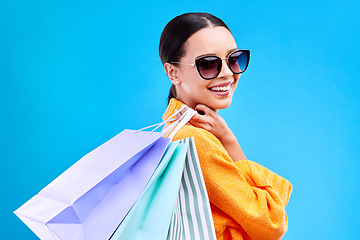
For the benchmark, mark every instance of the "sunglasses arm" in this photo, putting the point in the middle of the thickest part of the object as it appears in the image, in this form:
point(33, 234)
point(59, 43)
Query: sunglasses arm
point(190, 64)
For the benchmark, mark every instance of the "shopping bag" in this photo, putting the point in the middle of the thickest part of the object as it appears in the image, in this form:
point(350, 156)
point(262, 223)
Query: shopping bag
point(174, 204)
point(192, 218)
point(150, 217)
point(90, 199)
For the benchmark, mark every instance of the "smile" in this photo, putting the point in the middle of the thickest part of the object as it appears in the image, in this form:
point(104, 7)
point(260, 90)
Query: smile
point(225, 87)
point(221, 89)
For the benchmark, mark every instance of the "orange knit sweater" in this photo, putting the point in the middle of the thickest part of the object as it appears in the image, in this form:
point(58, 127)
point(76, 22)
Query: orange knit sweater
point(247, 200)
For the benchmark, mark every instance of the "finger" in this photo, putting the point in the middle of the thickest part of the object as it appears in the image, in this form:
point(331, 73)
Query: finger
point(198, 124)
point(200, 118)
point(209, 114)
point(204, 122)
point(205, 109)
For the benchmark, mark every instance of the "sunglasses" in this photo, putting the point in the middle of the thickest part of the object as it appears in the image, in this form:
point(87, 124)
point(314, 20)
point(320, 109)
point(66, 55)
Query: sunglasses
point(209, 67)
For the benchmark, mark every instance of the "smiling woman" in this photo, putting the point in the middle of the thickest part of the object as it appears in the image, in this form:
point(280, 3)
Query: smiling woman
point(204, 64)
point(216, 93)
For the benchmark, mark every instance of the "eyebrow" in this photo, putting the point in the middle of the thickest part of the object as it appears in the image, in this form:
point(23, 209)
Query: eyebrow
point(213, 54)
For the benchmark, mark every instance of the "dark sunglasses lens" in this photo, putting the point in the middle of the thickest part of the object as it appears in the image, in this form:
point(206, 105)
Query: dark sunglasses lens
point(238, 61)
point(208, 67)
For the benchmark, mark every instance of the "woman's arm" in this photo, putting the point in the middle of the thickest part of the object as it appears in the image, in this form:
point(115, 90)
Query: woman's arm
point(215, 124)
point(251, 195)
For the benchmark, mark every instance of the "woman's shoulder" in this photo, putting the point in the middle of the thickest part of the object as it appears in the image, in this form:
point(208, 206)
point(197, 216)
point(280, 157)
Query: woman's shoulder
point(207, 145)
point(198, 134)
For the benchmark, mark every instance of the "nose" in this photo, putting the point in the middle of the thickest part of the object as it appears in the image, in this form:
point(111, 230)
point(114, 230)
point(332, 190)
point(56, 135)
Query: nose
point(225, 70)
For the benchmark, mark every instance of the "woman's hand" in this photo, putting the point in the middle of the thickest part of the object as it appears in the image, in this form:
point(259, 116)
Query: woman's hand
point(208, 119)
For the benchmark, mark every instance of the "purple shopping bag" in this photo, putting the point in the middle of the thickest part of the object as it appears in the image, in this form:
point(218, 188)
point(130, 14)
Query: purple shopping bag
point(90, 199)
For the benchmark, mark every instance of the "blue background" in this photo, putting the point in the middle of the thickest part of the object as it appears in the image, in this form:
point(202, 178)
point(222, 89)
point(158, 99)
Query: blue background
point(75, 73)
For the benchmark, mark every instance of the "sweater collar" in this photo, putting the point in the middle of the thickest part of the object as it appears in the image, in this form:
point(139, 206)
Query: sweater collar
point(174, 105)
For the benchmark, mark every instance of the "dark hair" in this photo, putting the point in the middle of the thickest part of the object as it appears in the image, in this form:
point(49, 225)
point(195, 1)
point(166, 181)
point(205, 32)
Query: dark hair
point(177, 31)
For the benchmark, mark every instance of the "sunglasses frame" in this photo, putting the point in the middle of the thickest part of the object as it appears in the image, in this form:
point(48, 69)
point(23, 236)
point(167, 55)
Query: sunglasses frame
point(220, 65)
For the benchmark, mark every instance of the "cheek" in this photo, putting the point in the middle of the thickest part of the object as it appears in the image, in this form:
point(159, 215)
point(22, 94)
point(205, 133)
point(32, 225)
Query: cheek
point(186, 73)
point(199, 83)
point(193, 75)
point(236, 78)
point(191, 78)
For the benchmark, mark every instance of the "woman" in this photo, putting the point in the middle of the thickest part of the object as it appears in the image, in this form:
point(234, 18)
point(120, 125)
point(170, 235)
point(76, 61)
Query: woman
point(201, 58)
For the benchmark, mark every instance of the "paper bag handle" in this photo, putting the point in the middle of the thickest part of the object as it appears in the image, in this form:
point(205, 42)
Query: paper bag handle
point(174, 127)
point(176, 124)
point(169, 119)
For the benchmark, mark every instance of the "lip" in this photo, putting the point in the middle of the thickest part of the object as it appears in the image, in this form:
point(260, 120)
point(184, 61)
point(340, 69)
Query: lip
point(223, 84)
point(222, 93)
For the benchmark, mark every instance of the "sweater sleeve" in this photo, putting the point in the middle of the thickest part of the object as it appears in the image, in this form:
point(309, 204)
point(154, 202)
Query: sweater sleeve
point(250, 194)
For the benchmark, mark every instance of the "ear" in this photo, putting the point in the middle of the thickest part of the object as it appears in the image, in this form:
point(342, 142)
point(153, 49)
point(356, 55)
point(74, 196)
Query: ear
point(173, 73)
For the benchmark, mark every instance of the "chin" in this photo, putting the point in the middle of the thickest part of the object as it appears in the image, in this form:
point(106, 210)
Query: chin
point(224, 106)
point(225, 103)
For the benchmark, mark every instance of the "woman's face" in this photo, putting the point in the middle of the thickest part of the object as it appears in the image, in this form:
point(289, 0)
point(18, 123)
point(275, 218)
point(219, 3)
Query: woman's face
point(192, 89)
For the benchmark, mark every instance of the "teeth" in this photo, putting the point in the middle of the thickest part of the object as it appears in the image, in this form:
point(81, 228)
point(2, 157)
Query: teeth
point(222, 89)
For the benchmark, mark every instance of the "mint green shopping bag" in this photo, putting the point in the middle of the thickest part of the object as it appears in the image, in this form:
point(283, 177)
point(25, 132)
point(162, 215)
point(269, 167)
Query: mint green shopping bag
point(151, 215)
point(192, 218)
point(174, 205)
